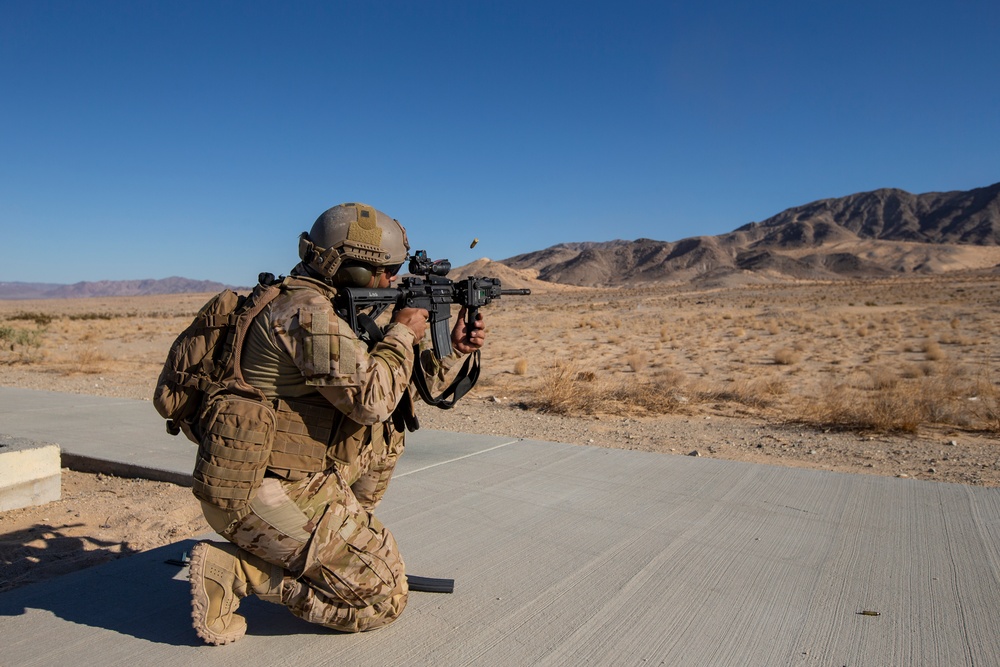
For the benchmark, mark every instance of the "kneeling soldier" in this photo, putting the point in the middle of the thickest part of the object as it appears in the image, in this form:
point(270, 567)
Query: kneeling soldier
point(307, 538)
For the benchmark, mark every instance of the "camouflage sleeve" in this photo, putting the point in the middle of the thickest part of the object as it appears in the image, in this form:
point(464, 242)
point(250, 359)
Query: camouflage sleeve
point(365, 386)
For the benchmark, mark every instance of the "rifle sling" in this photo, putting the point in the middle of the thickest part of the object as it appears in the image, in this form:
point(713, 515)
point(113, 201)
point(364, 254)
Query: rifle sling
point(374, 333)
point(464, 381)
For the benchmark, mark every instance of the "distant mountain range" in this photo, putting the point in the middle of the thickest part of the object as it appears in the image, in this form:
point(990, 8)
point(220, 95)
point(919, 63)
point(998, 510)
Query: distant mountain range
point(173, 285)
point(866, 235)
point(880, 233)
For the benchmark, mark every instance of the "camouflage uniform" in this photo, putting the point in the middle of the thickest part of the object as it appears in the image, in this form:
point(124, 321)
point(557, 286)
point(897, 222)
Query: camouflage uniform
point(343, 568)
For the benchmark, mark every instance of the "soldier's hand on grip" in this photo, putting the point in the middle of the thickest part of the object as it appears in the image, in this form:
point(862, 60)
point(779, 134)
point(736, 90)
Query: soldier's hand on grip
point(468, 341)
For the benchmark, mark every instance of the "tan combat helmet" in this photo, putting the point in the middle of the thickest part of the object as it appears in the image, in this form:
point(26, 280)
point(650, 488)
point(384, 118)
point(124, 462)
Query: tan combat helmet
point(351, 243)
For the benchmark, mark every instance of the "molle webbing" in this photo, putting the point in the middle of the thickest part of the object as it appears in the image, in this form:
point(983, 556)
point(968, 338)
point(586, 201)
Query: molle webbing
point(303, 431)
point(310, 436)
point(234, 449)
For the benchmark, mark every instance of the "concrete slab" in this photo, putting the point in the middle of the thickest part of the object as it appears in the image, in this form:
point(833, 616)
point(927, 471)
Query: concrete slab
point(116, 436)
point(569, 555)
point(29, 473)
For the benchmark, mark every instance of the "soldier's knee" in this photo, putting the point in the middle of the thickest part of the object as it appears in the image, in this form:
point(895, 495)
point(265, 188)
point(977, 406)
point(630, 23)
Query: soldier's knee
point(379, 615)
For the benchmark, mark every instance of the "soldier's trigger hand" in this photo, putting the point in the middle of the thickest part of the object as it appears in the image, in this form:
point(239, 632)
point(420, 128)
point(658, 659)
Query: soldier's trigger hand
point(414, 318)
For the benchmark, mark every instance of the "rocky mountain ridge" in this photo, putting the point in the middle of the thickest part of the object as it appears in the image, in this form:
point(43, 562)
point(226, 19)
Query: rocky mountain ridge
point(172, 285)
point(873, 234)
point(880, 233)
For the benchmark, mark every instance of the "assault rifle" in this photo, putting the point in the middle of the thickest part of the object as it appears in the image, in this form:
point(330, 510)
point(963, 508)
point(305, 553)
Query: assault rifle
point(429, 288)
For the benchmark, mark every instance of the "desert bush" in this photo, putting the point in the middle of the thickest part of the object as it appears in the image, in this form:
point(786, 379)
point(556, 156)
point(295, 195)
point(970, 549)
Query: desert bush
point(787, 356)
point(521, 367)
point(841, 406)
point(636, 360)
point(932, 350)
point(954, 339)
point(30, 338)
point(954, 399)
point(90, 361)
point(881, 377)
point(20, 346)
point(40, 319)
point(985, 404)
point(565, 389)
point(663, 394)
point(751, 392)
point(558, 390)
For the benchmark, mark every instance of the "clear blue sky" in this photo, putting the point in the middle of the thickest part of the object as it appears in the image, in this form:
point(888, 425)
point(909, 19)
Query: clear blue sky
point(151, 139)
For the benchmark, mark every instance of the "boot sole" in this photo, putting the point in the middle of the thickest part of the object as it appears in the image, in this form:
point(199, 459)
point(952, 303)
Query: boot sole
point(200, 601)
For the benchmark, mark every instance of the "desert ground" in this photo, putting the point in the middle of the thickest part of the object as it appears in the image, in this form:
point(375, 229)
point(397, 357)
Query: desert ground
point(889, 377)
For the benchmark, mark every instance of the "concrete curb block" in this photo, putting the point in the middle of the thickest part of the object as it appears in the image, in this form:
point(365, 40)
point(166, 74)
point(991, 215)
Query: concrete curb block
point(30, 473)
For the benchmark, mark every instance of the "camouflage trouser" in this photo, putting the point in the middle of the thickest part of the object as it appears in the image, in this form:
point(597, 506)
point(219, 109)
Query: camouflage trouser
point(344, 568)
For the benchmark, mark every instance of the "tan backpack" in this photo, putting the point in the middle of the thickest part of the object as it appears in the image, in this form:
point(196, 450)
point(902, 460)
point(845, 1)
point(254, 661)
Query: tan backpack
point(201, 392)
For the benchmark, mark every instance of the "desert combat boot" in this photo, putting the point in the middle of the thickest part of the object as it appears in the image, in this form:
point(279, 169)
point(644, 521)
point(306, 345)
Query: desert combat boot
point(222, 574)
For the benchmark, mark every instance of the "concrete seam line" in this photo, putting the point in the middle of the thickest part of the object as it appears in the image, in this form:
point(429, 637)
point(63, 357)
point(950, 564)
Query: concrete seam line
point(457, 458)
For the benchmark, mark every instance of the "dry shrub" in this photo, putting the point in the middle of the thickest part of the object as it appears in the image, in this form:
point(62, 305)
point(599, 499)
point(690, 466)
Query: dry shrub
point(954, 339)
point(880, 377)
point(841, 406)
point(20, 346)
point(954, 399)
point(560, 391)
point(521, 367)
point(787, 356)
point(662, 394)
point(40, 319)
point(985, 404)
point(932, 350)
point(567, 390)
point(756, 392)
point(637, 360)
point(970, 401)
point(13, 337)
point(89, 361)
